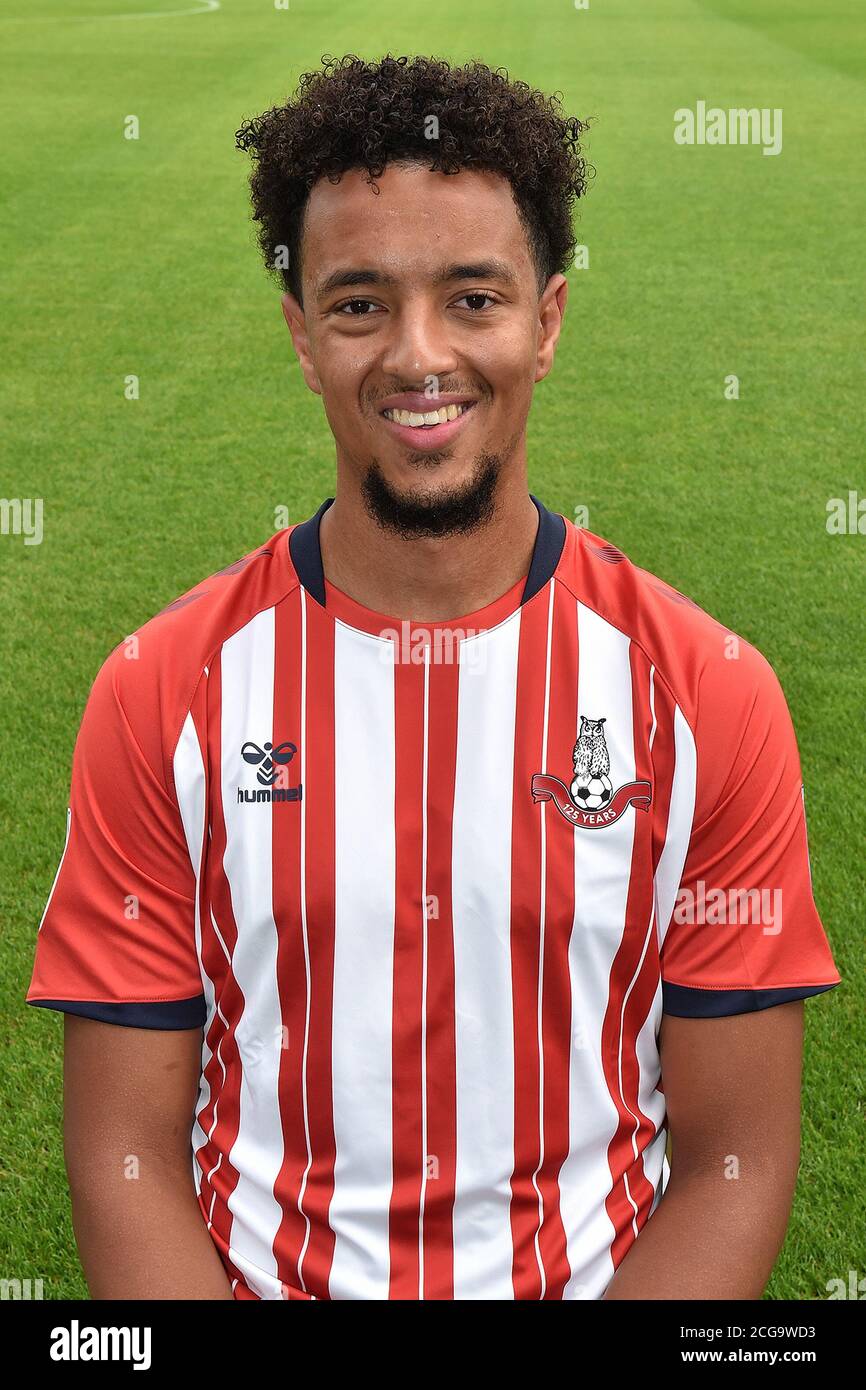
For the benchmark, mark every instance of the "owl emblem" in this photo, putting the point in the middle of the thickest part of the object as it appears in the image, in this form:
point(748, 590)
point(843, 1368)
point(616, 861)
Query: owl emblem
point(591, 787)
point(591, 803)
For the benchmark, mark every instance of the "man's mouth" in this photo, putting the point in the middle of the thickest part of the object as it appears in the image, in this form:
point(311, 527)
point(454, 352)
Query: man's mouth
point(430, 418)
point(417, 422)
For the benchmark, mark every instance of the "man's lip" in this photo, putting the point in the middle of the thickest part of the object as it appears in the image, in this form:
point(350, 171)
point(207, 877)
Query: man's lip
point(420, 404)
point(422, 440)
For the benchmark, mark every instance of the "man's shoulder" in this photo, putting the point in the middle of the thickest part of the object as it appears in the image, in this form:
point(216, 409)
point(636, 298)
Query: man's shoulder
point(151, 676)
point(689, 648)
point(200, 620)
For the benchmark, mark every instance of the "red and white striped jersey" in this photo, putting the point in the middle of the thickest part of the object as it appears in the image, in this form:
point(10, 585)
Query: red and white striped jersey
point(428, 890)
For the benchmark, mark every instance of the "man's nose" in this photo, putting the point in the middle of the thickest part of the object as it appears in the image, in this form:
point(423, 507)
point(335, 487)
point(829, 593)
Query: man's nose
point(419, 344)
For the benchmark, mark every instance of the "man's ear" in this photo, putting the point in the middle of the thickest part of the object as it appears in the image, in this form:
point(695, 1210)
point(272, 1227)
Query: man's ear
point(551, 308)
point(294, 316)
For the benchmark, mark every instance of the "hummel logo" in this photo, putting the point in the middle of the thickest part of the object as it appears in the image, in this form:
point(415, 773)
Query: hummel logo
point(271, 762)
point(268, 756)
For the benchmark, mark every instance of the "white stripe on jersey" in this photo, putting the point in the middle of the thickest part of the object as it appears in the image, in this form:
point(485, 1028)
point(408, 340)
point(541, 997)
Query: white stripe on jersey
point(59, 867)
point(257, 1153)
point(363, 964)
point(483, 1017)
point(190, 785)
point(680, 817)
point(206, 1088)
point(602, 869)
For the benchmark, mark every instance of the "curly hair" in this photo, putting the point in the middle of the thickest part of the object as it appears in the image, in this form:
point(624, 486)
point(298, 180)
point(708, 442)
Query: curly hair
point(352, 114)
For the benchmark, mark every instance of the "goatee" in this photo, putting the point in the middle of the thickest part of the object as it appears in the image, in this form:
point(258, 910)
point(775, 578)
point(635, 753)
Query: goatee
point(446, 512)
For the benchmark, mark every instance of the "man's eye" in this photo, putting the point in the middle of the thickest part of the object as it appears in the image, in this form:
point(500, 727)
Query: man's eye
point(471, 300)
point(356, 308)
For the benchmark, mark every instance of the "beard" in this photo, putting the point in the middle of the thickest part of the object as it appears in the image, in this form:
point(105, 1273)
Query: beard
point(447, 511)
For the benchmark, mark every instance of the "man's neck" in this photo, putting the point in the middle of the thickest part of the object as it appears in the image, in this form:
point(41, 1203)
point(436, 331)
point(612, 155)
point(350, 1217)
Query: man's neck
point(428, 579)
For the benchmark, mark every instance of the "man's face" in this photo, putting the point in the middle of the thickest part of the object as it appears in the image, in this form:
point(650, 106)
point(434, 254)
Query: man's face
point(420, 300)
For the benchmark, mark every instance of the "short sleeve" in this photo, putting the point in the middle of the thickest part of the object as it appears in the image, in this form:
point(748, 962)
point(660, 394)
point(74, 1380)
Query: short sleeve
point(745, 933)
point(117, 938)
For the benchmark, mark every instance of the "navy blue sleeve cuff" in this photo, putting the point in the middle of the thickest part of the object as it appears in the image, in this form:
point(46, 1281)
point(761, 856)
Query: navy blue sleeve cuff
point(684, 1002)
point(172, 1013)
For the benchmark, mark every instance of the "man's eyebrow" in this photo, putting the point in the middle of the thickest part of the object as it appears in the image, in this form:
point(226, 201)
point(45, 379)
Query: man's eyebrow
point(477, 270)
point(354, 276)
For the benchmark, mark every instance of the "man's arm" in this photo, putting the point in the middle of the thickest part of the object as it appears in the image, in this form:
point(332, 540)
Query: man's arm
point(129, 1101)
point(732, 1087)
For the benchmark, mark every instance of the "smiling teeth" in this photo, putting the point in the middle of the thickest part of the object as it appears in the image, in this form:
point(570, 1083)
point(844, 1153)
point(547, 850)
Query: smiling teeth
point(430, 417)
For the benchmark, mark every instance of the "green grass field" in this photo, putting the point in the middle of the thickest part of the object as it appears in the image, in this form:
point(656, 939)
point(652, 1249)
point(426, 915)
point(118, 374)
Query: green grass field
point(137, 257)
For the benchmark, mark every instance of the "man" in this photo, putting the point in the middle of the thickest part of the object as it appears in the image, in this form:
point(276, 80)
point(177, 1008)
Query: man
point(477, 853)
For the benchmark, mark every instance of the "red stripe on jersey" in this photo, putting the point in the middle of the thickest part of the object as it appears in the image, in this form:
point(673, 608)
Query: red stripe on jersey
point(292, 983)
point(633, 983)
point(408, 1102)
point(240, 1287)
point(664, 766)
point(320, 876)
point(559, 840)
point(526, 906)
point(221, 1117)
point(441, 1155)
point(652, 711)
point(663, 762)
point(292, 1295)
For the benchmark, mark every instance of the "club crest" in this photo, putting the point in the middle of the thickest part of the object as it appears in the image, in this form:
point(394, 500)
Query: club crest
point(590, 801)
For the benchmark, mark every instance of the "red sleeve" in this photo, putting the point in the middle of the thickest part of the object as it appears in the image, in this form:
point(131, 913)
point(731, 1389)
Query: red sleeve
point(745, 932)
point(117, 939)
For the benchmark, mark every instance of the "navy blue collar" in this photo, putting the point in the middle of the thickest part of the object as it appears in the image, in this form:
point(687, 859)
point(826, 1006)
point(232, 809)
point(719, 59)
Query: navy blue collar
point(306, 552)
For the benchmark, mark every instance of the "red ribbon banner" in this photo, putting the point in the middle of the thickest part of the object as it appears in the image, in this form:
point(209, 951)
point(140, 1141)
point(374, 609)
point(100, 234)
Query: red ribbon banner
point(547, 788)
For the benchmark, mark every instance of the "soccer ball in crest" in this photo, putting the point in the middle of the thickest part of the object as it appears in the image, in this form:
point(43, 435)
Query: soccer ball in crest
point(591, 793)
